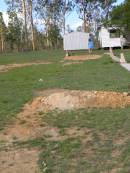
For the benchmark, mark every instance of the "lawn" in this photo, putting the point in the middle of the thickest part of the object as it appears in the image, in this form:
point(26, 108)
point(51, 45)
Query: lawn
point(108, 148)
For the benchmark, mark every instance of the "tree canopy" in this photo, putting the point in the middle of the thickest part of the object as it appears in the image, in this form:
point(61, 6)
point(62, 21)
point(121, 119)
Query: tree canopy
point(24, 33)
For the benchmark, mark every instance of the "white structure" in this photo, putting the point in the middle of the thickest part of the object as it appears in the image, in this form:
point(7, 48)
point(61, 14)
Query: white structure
point(76, 41)
point(111, 37)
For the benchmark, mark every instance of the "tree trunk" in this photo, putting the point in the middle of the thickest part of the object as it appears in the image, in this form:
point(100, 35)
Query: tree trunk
point(25, 21)
point(85, 22)
point(2, 41)
point(64, 21)
point(32, 27)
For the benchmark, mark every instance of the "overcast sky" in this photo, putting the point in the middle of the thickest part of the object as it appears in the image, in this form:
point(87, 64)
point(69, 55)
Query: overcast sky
point(72, 19)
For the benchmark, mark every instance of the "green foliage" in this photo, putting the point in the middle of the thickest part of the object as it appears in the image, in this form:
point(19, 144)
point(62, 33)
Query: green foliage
point(120, 15)
point(54, 36)
point(14, 30)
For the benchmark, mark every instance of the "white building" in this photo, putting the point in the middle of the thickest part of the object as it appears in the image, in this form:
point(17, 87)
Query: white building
point(111, 37)
point(76, 41)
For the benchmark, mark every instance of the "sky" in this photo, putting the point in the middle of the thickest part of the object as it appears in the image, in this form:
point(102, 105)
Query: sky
point(72, 20)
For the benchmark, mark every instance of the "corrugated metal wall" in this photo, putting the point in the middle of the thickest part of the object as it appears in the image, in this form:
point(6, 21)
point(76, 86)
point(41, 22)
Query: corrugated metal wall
point(76, 41)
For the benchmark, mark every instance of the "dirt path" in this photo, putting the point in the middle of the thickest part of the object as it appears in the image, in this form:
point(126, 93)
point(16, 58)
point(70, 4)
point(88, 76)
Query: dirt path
point(82, 57)
point(30, 125)
point(5, 68)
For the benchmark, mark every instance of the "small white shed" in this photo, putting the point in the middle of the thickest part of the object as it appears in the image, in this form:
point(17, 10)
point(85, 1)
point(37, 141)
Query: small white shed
point(76, 41)
point(110, 37)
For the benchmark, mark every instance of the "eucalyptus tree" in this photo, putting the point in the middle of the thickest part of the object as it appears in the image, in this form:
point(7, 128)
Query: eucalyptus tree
point(20, 7)
point(24, 11)
point(13, 35)
point(93, 10)
point(49, 12)
point(30, 12)
point(66, 7)
point(120, 16)
point(2, 32)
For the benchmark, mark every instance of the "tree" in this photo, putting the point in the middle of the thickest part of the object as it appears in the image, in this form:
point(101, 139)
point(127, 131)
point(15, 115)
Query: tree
point(25, 20)
point(30, 4)
point(66, 6)
point(93, 10)
point(2, 31)
point(107, 6)
point(120, 15)
point(54, 35)
point(14, 31)
point(49, 12)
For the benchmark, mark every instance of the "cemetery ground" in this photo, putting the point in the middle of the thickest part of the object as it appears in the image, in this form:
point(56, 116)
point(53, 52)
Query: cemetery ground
point(62, 116)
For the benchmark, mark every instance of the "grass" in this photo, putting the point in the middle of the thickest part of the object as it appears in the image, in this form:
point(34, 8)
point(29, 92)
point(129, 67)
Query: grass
point(23, 57)
point(19, 86)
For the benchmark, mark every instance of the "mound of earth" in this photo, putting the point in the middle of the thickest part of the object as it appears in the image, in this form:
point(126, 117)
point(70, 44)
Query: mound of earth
point(48, 100)
point(82, 57)
point(4, 68)
point(75, 99)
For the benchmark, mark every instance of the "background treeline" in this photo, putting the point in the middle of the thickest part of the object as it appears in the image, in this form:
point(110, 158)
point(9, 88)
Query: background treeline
point(27, 17)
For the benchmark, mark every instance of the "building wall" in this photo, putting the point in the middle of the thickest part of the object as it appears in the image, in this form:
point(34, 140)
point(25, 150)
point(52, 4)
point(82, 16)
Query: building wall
point(76, 41)
point(106, 41)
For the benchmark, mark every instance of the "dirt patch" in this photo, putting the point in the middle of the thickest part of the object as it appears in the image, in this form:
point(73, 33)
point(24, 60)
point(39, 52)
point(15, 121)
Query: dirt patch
point(82, 57)
point(70, 63)
point(5, 68)
point(19, 161)
point(116, 153)
point(29, 124)
point(120, 138)
point(75, 132)
point(116, 170)
point(74, 99)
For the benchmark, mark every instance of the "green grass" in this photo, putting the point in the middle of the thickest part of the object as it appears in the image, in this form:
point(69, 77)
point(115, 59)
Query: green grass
point(126, 53)
point(23, 57)
point(19, 86)
point(73, 155)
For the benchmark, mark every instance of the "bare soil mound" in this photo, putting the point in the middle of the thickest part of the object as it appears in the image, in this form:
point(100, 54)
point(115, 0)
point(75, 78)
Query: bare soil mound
point(29, 124)
point(5, 68)
point(82, 57)
point(75, 99)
